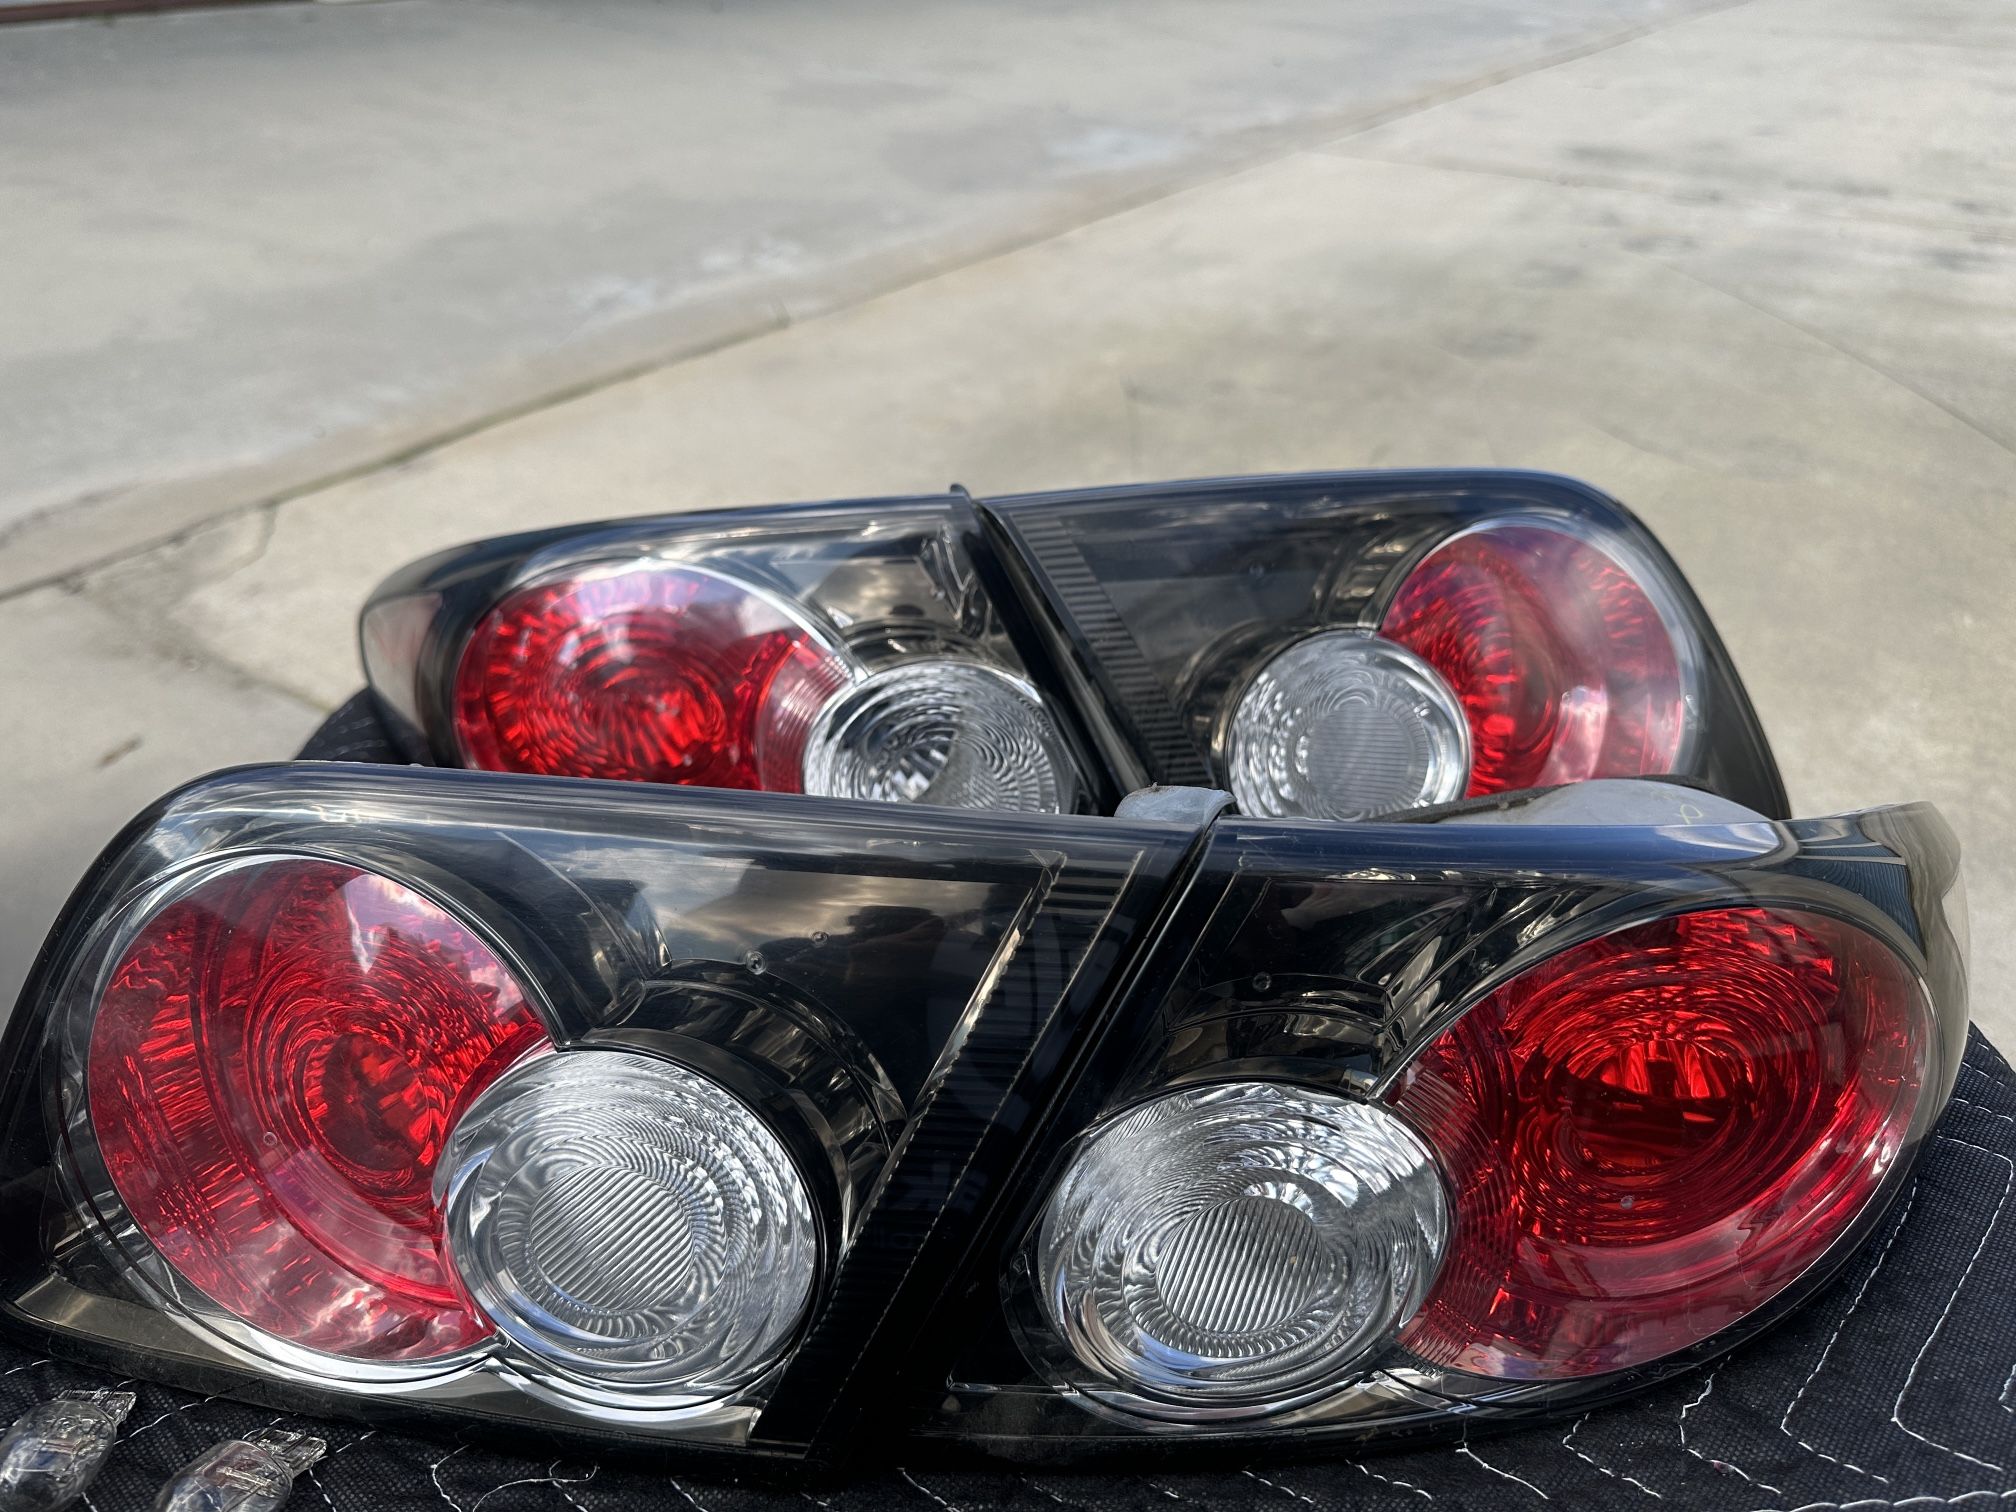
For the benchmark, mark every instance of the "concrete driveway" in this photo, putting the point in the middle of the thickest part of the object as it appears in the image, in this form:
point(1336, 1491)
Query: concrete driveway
point(294, 294)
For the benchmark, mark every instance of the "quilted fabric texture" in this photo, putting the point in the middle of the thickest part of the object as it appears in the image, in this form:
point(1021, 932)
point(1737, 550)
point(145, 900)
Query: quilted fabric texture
point(353, 733)
point(1895, 1388)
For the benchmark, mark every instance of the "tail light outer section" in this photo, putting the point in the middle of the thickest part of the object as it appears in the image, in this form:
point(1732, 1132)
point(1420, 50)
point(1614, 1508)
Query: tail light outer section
point(1159, 601)
point(1386, 959)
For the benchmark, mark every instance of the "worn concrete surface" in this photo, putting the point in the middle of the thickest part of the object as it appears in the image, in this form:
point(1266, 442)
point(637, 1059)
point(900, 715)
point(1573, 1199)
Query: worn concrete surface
point(101, 715)
point(250, 249)
point(1754, 272)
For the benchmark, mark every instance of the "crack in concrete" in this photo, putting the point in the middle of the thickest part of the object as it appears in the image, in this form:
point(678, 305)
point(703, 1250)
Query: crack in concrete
point(151, 609)
point(1860, 359)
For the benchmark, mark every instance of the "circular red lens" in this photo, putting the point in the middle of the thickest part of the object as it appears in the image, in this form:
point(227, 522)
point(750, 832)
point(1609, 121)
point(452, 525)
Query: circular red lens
point(275, 1065)
point(1563, 664)
point(649, 674)
point(1650, 1134)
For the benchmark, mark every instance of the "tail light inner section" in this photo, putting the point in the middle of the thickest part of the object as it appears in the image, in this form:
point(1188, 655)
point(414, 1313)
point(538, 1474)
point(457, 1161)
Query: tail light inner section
point(846, 651)
point(580, 1105)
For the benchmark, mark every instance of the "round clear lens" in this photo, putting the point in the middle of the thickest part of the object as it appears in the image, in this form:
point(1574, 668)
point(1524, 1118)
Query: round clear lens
point(1241, 1246)
point(957, 734)
point(1344, 726)
point(631, 1222)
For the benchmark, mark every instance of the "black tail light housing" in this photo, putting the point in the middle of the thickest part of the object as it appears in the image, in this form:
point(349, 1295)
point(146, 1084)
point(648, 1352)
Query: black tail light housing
point(758, 1127)
point(1340, 645)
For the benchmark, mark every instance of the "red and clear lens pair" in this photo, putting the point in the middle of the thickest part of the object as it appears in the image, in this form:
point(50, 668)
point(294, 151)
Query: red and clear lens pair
point(661, 673)
point(1616, 1155)
point(465, 1090)
point(1516, 654)
point(332, 1110)
point(1643, 1137)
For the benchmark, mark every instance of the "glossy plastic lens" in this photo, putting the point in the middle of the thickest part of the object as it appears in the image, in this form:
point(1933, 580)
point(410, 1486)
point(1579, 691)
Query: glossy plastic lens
point(1240, 1246)
point(1560, 657)
point(275, 1063)
point(651, 673)
point(1651, 1134)
point(633, 1223)
point(957, 734)
point(1346, 726)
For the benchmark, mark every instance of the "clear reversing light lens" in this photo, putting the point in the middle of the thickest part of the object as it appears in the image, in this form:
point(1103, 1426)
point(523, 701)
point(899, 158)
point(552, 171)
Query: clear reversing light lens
point(1239, 1246)
point(1345, 726)
point(958, 734)
point(632, 1223)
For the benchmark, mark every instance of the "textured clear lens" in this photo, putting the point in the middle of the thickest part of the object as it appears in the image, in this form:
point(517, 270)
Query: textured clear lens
point(1239, 1246)
point(957, 734)
point(1345, 726)
point(631, 1222)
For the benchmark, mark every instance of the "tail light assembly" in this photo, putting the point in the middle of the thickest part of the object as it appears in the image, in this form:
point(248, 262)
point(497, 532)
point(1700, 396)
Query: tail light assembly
point(767, 1128)
point(1338, 646)
point(845, 651)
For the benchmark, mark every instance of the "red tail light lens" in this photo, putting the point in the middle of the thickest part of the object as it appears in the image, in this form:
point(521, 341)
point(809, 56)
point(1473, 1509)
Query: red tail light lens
point(649, 673)
point(1563, 662)
point(276, 1062)
point(1652, 1133)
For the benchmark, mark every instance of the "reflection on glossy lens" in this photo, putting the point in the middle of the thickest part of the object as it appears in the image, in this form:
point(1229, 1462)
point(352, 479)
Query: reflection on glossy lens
point(277, 1053)
point(1346, 726)
point(1239, 1246)
point(1557, 650)
point(958, 734)
point(632, 1222)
